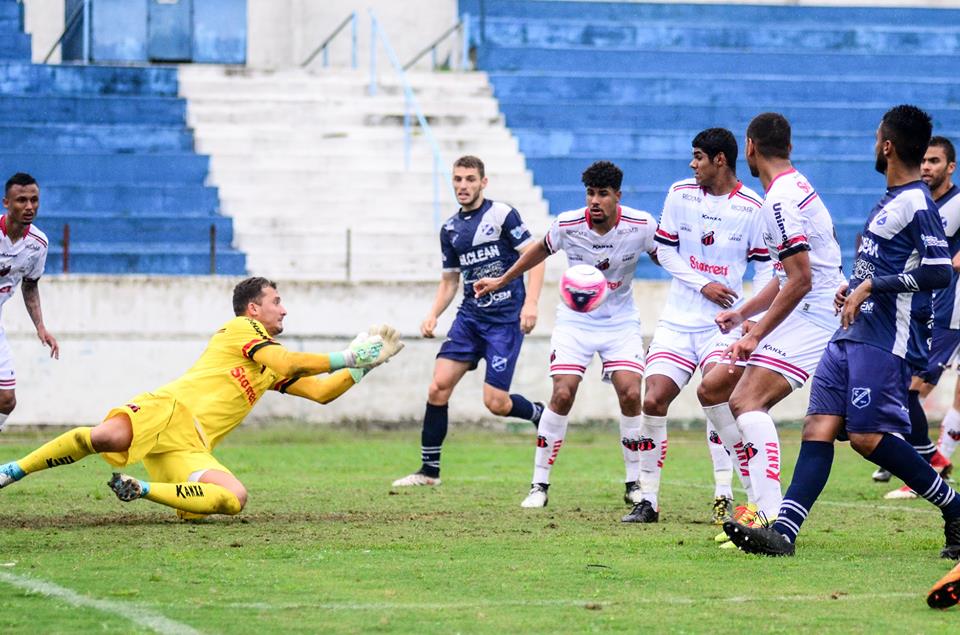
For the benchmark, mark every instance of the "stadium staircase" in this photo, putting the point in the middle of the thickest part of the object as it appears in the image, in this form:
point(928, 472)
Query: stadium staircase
point(302, 157)
point(115, 161)
point(633, 83)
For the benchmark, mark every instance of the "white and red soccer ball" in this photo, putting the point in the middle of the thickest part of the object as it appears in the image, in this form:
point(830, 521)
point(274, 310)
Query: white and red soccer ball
point(583, 288)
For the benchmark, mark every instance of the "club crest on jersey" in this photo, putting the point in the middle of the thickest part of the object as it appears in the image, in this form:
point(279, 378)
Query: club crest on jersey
point(517, 232)
point(860, 397)
point(604, 264)
point(487, 229)
point(708, 238)
point(498, 363)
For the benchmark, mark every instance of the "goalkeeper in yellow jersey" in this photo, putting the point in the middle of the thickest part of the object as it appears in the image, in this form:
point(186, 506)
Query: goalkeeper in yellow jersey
point(173, 429)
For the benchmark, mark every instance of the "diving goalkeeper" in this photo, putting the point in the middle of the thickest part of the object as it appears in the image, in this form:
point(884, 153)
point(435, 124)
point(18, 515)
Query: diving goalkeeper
point(174, 429)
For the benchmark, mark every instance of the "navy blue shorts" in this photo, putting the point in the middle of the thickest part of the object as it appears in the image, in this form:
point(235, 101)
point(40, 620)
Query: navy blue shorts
point(865, 385)
point(943, 351)
point(498, 343)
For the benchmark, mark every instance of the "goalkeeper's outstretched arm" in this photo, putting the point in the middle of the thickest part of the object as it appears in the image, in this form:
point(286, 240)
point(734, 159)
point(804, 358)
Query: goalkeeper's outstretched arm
point(368, 350)
point(322, 389)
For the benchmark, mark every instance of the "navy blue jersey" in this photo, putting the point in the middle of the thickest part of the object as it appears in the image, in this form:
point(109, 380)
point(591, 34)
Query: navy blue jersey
point(903, 233)
point(484, 243)
point(946, 313)
point(921, 331)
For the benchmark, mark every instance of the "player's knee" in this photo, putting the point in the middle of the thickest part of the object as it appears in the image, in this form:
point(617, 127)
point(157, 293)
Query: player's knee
point(500, 405)
point(439, 394)
point(562, 399)
point(233, 501)
point(708, 395)
point(653, 405)
point(8, 401)
point(740, 404)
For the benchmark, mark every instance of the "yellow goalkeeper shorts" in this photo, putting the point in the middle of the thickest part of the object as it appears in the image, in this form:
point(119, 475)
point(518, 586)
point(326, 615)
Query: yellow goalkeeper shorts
point(161, 424)
point(178, 466)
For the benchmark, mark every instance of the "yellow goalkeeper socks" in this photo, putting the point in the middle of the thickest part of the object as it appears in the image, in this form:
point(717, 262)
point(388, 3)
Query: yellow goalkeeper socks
point(68, 448)
point(198, 498)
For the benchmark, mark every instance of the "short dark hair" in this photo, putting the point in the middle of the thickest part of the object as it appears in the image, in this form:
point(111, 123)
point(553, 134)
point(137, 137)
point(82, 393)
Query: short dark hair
point(713, 141)
point(249, 290)
point(469, 161)
point(603, 174)
point(770, 133)
point(20, 178)
point(908, 128)
point(947, 145)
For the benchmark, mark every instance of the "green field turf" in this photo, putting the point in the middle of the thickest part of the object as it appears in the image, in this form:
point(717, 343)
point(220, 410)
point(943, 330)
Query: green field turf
point(324, 546)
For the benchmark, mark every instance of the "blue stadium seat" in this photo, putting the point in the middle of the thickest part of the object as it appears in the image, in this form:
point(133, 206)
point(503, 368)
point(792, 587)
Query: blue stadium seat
point(115, 161)
point(634, 82)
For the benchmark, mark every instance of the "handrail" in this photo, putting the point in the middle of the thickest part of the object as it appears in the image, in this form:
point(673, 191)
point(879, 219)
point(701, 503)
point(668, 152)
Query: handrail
point(463, 26)
point(84, 8)
point(352, 21)
point(410, 104)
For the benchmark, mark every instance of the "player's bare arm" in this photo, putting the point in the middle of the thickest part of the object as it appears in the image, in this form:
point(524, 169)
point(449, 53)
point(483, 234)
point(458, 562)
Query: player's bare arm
point(530, 258)
point(840, 297)
point(528, 313)
point(799, 282)
point(446, 292)
point(31, 299)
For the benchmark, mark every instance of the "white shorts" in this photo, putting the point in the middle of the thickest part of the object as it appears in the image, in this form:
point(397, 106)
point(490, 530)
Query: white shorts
point(793, 349)
point(573, 348)
point(8, 378)
point(678, 354)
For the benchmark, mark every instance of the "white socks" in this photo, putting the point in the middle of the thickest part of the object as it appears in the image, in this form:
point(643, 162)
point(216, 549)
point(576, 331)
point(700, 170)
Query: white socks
point(762, 448)
point(630, 441)
point(723, 421)
point(722, 465)
point(949, 433)
point(550, 433)
point(653, 450)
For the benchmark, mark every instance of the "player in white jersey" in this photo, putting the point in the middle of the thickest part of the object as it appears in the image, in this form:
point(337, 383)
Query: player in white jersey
point(783, 348)
point(612, 238)
point(23, 254)
point(709, 230)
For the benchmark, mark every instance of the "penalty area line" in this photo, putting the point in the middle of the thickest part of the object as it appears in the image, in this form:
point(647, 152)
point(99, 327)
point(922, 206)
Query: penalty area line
point(138, 615)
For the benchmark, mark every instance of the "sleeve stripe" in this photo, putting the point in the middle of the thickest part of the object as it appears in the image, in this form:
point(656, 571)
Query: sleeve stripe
point(790, 242)
point(665, 234)
point(283, 385)
point(795, 249)
point(255, 345)
point(758, 257)
point(665, 241)
point(548, 244)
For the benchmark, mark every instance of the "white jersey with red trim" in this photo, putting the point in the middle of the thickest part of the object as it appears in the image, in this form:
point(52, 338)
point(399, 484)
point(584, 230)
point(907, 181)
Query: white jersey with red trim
point(797, 220)
point(18, 260)
point(615, 254)
point(716, 236)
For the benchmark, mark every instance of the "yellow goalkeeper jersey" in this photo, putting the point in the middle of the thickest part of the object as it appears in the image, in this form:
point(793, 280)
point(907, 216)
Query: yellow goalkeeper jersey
point(223, 385)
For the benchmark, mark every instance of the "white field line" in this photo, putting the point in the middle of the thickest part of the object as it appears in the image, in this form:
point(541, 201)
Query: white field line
point(480, 604)
point(138, 615)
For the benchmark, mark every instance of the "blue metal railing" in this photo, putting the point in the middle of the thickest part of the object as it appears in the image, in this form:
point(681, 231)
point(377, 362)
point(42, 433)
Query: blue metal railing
point(463, 27)
point(411, 106)
point(324, 47)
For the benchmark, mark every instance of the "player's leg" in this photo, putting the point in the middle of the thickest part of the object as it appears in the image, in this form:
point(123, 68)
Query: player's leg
point(503, 342)
point(571, 351)
point(112, 435)
point(716, 386)
point(950, 427)
point(551, 433)
point(944, 349)
point(671, 361)
point(458, 354)
point(919, 436)
point(193, 483)
point(8, 381)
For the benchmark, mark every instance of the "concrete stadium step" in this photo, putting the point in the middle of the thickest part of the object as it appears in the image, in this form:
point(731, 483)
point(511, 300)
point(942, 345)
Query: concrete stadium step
point(358, 163)
point(661, 88)
point(838, 116)
point(726, 34)
point(311, 109)
point(345, 117)
point(826, 64)
point(140, 257)
point(111, 197)
point(68, 79)
point(15, 46)
point(105, 109)
point(757, 15)
point(74, 138)
point(139, 168)
point(92, 227)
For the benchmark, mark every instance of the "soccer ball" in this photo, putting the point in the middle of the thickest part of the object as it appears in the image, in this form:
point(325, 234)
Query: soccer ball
point(583, 288)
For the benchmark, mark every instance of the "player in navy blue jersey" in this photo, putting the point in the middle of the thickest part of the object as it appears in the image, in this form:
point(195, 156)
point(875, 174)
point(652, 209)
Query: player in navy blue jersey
point(481, 240)
point(859, 390)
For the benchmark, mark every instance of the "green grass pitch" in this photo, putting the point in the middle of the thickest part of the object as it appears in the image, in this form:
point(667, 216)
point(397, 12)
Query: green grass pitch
point(324, 546)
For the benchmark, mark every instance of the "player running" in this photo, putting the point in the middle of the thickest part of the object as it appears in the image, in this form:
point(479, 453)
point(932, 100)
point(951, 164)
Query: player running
point(174, 429)
point(782, 349)
point(24, 253)
point(710, 229)
point(612, 238)
point(482, 239)
point(860, 387)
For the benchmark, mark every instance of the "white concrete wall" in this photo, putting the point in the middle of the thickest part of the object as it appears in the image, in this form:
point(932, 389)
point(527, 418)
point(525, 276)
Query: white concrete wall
point(44, 21)
point(121, 336)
